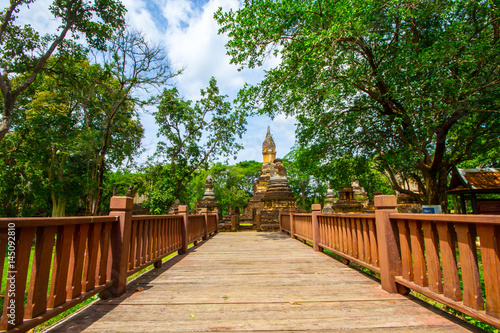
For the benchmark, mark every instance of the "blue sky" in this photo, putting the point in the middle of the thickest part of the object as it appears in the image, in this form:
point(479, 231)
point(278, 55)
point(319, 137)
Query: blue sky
point(188, 32)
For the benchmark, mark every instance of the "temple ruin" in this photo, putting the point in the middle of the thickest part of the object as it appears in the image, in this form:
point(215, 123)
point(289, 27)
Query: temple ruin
point(271, 190)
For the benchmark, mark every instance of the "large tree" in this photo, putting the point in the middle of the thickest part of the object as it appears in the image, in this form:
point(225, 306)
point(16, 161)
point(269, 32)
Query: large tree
point(23, 51)
point(135, 69)
point(414, 84)
point(192, 137)
point(56, 143)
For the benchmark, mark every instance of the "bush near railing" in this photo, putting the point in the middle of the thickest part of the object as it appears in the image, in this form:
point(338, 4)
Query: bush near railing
point(70, 259)
point(435, 255)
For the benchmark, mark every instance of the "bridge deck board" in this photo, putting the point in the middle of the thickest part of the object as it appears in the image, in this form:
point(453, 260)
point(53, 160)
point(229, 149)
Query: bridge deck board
point(257, 282)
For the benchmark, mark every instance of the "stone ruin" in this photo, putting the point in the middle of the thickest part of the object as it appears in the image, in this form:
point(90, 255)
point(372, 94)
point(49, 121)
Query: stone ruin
point(329, 201)
point(271, 190)
point(208, 201)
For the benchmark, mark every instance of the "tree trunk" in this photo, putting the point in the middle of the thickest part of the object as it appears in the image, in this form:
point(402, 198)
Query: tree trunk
point(58, 205)
point(7, 115)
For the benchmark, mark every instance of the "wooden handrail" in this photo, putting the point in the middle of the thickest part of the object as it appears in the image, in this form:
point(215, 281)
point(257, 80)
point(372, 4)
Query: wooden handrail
point(87, 255)
point(77, 254)
point(442, 256)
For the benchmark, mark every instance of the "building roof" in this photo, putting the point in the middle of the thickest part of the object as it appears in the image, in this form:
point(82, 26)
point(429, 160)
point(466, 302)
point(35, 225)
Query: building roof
point(486, 180)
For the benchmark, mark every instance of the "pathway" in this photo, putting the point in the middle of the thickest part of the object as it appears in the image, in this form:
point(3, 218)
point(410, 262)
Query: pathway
point(257, 282)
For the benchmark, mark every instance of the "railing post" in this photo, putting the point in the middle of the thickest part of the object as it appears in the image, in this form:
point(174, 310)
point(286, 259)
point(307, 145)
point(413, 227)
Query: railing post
point(279, 219)
point(292, 224)
point(204, 211)
point(120, 242)
point(316, 210)
point(182, 210)
point(216, 212)
point(389, 255)
point(258, 220)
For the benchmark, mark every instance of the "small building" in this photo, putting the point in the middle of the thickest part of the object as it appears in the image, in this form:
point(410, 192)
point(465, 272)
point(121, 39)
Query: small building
point(471, 185)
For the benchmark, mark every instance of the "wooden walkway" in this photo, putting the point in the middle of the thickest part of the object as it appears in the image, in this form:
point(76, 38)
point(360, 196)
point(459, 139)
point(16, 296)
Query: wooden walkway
point(257, 282)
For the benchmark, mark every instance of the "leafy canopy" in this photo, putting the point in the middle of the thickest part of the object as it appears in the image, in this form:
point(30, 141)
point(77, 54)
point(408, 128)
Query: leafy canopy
point(414, 84)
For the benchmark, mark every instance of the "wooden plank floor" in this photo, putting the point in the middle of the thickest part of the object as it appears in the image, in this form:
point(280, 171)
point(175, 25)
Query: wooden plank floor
point(257, 282)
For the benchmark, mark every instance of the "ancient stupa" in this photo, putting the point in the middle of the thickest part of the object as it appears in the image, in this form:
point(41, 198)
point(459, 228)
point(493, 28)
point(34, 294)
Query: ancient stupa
point(208, 201)
point(271, 190)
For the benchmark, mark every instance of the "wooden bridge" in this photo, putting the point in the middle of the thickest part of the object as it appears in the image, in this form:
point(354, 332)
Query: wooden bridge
point(257, 282)
point(251, 281)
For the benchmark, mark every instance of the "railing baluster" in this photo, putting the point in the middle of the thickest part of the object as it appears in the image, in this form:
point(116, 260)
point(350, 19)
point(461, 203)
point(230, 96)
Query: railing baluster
point(451, 287)
point(60, 266)
point(466, 236)
point(74, 287)
point(489, 236)
point(359, 234)
point(91, 258)
point(101, 277)
point(406, 258)
point(133, 244)
point(417, 247)
point(432, 255)
point(40, 272)
point(23, 242)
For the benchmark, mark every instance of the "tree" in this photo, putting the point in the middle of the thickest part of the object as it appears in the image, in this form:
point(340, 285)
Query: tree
point(193, 137)
point(57, 139)
point(415, 85)
point(233, 184)
point(25, 52)
point(133, 66)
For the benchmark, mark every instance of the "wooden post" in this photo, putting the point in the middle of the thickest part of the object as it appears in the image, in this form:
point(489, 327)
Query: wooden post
point(216, 212)
point(292, 224)
point(182, 210)
point(120, 242)
point(258, 220)
point(387, 235)
point(204, 211)
point(316, 210)
point(279, 218)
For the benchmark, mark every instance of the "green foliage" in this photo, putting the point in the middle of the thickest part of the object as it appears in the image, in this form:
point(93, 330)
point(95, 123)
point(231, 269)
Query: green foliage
point(25, 52)
point(57, 140)
point(414, 85)
point(193, 135)
point(309, 181)
point(233, 184)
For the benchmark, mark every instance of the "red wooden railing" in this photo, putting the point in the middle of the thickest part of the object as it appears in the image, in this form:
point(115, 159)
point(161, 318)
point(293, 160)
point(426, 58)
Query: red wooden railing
point(351, 236)
point(303, 226)
point(212, 222)
point(431, 265)
point(285, 222)
point(74, 258)
point(444, 257)
point(152, 239)
point(196, 228)
point(75, 249)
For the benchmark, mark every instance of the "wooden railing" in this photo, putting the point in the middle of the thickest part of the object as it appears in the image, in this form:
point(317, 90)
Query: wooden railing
point(351, 236)
point(152, 239)
point(453, 259)
point(431, 265)
point(196, 228)
point(53, 264)
point(303, 226)
point(212, 222)
point(69, 262)
point(285, 222)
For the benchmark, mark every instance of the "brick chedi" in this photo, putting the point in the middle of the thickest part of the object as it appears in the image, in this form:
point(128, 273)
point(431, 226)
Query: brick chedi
point(208, 201)
point(278, 194)
point(271, 191)
point(260, 186)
